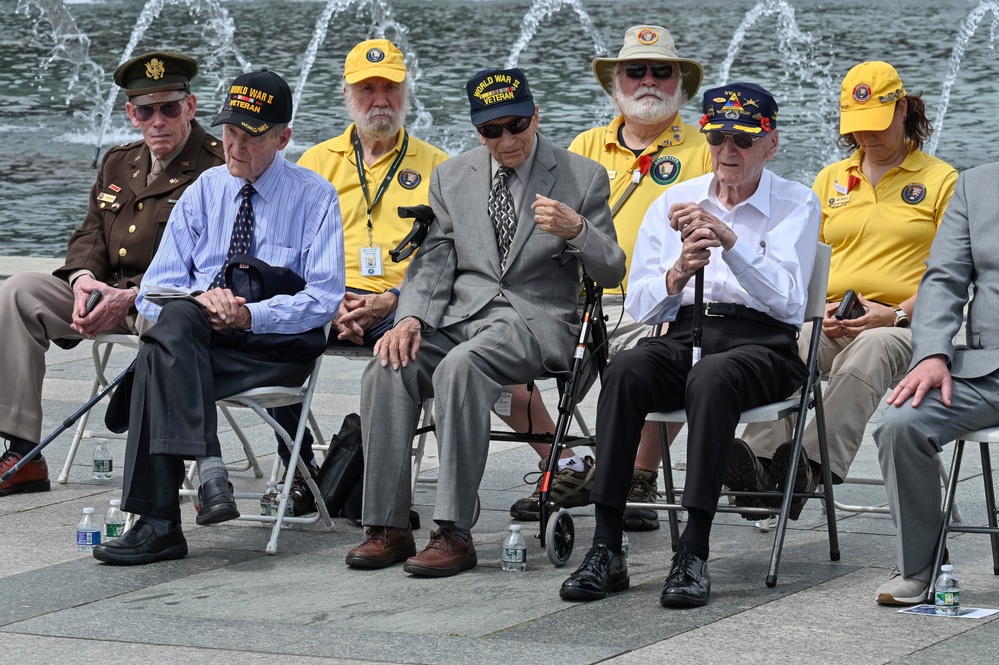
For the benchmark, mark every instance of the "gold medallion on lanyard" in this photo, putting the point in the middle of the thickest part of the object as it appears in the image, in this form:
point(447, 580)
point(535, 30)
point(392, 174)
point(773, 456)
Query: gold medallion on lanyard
point(371, 256)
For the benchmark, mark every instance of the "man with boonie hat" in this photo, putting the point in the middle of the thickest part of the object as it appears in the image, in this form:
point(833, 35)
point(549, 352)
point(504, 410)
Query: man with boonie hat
point(754, 234)
point(646, 149)
point(376, 166)
point(257, 207)
point(136, 188)
point(484, 307)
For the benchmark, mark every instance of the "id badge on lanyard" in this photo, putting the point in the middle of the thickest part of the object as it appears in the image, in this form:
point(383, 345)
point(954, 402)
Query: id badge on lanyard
point(371, 256)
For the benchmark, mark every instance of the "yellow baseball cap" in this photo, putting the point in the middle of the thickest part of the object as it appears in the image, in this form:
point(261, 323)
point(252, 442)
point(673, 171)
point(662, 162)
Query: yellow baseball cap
point(867, 97)
point(374, 58)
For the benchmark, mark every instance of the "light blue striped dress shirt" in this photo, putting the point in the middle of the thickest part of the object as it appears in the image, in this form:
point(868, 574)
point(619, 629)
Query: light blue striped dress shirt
point(296, 225)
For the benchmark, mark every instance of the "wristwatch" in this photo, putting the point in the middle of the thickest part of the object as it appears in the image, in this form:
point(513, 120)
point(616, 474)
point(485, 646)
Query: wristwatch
point(901, 318)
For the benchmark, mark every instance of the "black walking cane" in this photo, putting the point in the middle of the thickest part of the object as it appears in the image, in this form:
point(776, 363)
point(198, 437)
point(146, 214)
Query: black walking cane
point(66, 424)
point(698, 329)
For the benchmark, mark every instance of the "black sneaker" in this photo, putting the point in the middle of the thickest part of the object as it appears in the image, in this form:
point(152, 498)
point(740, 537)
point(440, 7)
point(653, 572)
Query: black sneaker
point(745, 473)
point(804, 479)
point(643, 490)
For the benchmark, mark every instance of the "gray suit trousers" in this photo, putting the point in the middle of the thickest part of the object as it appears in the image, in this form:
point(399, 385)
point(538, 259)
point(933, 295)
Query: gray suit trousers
point(34, 310)
point(908, 440)
point(464, 367)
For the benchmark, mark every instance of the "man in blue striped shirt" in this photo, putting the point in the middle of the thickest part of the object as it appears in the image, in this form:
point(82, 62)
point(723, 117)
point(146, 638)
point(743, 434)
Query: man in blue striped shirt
point(219, 344)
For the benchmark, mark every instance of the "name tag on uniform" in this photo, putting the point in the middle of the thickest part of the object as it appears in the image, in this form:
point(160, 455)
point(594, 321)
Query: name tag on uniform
point(371, 261)
point(837, 201)
point(105, 197)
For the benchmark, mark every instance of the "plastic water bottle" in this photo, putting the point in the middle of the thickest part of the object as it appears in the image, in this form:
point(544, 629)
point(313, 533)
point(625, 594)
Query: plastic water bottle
point(88, 534)
point(625, 545)
point(948, 593)
point(269, 501)
point(103, 464)
point(514, 551)
point(114, 521)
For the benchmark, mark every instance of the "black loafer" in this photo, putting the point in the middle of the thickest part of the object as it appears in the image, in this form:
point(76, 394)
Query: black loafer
point(217, 504)
point(688, 584)
point(141, 544)
point(602, 571)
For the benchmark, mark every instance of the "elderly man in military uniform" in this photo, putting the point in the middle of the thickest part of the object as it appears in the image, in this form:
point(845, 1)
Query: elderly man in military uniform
point(137, 187)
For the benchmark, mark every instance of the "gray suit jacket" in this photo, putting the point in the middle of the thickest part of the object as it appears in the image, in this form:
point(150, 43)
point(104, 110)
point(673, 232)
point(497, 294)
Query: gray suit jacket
point(965, 252)
point(457, 270)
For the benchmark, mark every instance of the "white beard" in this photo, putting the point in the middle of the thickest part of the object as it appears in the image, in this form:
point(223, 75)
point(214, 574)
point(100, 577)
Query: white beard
point(378, 123)
point(648, 105)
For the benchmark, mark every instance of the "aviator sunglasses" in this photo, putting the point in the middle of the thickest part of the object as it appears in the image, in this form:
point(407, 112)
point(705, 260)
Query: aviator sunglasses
point(514, 127)
point(741, 141)
point(168, 109)
point(636, 70)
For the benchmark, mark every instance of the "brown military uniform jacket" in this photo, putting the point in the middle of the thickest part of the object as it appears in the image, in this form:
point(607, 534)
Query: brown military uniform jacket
point(126, 219)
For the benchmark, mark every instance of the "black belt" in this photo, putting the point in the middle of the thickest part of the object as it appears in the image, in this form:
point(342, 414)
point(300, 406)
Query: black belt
point(729, 310)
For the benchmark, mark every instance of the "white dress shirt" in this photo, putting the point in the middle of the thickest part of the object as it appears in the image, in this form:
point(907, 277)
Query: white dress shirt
point(767, 269)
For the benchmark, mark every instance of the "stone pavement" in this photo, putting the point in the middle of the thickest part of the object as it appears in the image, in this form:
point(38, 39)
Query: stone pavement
point(230, 602)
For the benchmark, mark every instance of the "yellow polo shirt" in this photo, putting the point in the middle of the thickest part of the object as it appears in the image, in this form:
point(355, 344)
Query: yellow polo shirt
point(881, 236)
point(684, 156)
point(334, 160)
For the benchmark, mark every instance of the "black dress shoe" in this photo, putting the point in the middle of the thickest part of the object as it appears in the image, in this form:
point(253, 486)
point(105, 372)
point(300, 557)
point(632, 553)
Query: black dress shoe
point(217, 504)
point(141, 544)
point(688, 584)
point(602, 571)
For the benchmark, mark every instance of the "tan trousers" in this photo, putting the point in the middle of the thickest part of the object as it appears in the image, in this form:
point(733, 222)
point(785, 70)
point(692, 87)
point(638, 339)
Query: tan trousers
point(34, 310)
point(860, 372)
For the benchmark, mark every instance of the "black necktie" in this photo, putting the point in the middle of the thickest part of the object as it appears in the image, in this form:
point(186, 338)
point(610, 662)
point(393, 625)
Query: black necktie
point(242, 234)
point(502, 212)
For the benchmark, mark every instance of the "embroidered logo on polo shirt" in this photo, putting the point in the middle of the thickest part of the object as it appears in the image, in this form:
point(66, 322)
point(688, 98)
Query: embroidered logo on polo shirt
point(665, 170)
point(914, 193)
point(409, 178)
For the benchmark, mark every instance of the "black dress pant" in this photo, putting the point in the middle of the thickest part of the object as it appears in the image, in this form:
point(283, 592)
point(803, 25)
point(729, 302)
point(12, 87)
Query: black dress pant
point(744, 364)
point(181, 369)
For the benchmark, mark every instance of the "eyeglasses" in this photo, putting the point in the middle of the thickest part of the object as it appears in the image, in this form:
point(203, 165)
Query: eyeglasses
point(660, 71)
point(514, 127)
point(741, 141)
point(168, 109)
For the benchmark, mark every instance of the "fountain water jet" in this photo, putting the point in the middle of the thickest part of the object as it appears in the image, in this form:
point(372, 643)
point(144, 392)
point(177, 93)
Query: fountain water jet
point(544, 9)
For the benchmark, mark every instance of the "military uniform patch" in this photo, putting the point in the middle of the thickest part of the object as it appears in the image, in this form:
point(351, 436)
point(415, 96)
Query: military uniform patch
point(409, 178)
point(914, 193)
point(665, 170)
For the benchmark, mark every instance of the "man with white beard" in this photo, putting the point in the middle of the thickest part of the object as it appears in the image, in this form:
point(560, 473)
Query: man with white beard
point(376, 167)
point(646, 149)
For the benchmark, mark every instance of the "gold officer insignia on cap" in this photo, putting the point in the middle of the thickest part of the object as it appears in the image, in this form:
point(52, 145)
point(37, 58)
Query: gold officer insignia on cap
point(155, 69)
point(647, 36)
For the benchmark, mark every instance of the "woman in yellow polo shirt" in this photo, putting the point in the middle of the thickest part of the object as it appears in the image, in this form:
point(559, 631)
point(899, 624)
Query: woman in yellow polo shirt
point(881, 207)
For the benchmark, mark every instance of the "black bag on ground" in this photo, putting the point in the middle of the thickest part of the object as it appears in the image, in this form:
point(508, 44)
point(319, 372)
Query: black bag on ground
point(343, 466)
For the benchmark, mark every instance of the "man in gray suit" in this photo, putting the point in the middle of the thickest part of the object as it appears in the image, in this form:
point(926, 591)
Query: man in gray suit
point(949, 389)
point(483, 306)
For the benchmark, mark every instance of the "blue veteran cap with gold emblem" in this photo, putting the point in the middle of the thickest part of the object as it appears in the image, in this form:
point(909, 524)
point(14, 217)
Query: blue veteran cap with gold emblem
point(498, 93)
point(739, 107)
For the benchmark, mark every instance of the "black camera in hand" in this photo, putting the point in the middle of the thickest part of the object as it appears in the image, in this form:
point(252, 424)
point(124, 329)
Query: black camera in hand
point(849, 307)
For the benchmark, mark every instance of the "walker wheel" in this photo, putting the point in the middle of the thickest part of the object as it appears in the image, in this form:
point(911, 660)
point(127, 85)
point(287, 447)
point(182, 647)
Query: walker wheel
point(560, 536)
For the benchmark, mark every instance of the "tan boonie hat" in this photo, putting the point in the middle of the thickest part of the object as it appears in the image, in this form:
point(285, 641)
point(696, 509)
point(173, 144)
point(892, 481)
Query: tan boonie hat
point(867, 97)
point(374, 58)
point(155, 72)
point(649, 42)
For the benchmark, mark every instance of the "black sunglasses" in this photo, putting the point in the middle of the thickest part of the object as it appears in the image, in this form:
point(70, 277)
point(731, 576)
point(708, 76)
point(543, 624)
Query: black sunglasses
point(636, 70)
point(514, 127)
point(741, 141)
point(168, 109)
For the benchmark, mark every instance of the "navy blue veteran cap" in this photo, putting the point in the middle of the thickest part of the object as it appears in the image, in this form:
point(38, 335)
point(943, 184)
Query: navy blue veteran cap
point(498, 93)
point(256, 102)
point(158, 71)
point(739, 107)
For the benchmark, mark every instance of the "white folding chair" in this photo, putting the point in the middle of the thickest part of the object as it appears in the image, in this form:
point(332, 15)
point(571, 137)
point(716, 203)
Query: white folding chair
point(810, 396)
point(108, 341)
point(259, 400)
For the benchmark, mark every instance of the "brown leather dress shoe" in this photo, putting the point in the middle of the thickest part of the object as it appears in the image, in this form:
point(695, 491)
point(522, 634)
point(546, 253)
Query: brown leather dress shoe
point(382, 547)
point(32, 477)
point(446, 554)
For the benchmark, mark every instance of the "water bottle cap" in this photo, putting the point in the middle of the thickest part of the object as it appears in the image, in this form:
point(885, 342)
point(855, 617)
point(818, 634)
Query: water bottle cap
point(88, 511)
point(947, 568)
point(115, 502)
point(515, 527)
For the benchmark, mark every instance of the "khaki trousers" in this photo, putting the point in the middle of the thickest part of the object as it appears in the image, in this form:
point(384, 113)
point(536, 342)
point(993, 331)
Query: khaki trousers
point(860, 371)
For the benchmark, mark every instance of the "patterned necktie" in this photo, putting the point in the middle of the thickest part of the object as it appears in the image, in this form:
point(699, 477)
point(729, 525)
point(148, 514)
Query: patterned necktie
point(242, 234)
point(502, 213)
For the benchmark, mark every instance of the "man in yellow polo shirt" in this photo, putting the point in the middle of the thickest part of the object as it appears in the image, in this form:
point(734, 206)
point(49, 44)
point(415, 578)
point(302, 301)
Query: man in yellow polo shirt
point(376, 167)
point(646, 149)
